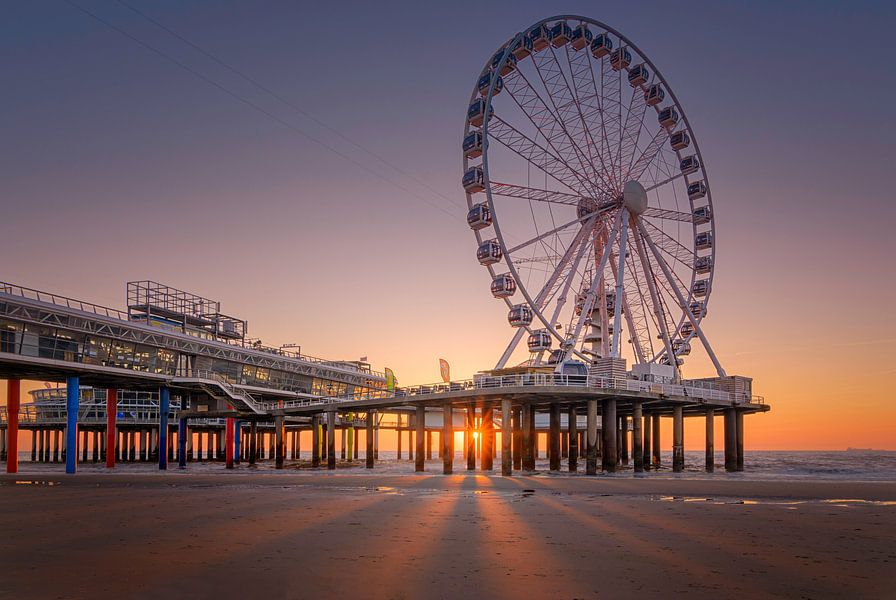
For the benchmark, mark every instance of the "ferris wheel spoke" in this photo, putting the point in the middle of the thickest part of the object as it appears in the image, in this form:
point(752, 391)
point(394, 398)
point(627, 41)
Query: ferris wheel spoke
point(538, 156)
point(650, 280)
point(597, 276)
point(650, 153)
point(550, 126)
point(547, 234)
point(664, 182)
point(544, 295)
point(670, 215)
point(568, 112)
point(640, 315)
point(619, 278)
point(683, 303)
point(588, 103)
point(671, 246)
point(631, 132)
point(509, 190)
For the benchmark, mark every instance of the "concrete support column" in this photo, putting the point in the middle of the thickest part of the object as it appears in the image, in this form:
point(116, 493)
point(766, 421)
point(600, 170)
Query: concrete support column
point(554, 438)
point(730, 440)
point(623, 439)
point(228, 443)
point(506, 436)
point(272, 448)
point(398, 437)
point(740, 440)
point(199, 438)
point(72, 400)
point(428, 445)
point(40, 445)
point(376, 436)
point(238, 449)
point(447, 435)
point(111, 416)
point(420, 424)
point(517, 439)
point(657, 456)
point(533, 435)
point(253, 441)
point(470, 438)
point(608, 430)
point(573, 427)
point(331, 439)
point(13, 401)
point(487, 435)
point(637, 449)
point(647, 446)
point(368, 452)
point(677, 439)
point(315, 441)
point(182, 443)
point(164, 408)
point(528, 438)
point(564, 444)
point(710, 441)
point(279, 442)
point(33, 445)
point(591, 441)
point(96, 446)
point(344, 442)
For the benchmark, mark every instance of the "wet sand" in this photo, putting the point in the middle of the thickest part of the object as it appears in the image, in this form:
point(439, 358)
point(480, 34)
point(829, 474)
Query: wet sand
point(259, 533)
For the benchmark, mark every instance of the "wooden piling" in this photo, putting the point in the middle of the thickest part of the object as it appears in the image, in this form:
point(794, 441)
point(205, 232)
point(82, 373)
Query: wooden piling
point(554, 438)
point(591, 443)
point(637, 441)
point(331, 439)
point(447, 435)
point(487, 434)
point(368, 440)
point(420, 424)
point(469, 437)
point(677, 439)
point(730, 440)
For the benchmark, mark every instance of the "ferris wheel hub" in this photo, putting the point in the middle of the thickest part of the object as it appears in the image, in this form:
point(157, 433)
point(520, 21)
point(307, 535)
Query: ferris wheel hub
point(634, 197)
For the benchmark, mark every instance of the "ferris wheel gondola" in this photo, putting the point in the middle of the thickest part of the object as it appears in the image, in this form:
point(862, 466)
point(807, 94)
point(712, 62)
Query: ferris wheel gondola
point(588, 198)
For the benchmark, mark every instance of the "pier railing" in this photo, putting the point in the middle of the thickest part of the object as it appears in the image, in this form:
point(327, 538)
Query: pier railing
point(602, 384)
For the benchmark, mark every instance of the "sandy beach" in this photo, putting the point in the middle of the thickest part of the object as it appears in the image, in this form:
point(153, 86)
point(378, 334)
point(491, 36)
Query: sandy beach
point(300, 534)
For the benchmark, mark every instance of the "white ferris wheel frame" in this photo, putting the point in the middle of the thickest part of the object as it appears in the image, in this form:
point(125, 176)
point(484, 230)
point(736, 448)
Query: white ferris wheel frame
point(641, 236)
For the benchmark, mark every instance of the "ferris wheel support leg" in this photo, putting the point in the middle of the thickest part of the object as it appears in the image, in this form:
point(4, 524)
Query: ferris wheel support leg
point(591, 442)
point(682, 302)
point(617, 304)
point(598, 273)
point(517, 336)
point(608, 430)
point(655, 299)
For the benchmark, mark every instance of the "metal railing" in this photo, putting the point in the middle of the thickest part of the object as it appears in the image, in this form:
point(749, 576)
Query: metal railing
point(541, 380)
point(32, 294)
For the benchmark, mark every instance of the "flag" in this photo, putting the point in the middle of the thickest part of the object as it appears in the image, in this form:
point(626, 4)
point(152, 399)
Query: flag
point(445, 369)
point(363, 359)
point(390, 380)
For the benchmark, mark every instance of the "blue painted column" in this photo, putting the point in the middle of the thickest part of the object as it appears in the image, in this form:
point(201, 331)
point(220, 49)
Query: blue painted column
point(182, 443)
point(72, 398)
point(164, 407)
point(238, 429)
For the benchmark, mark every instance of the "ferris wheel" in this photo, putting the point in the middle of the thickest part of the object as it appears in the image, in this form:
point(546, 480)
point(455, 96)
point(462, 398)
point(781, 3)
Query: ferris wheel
point(589, 198)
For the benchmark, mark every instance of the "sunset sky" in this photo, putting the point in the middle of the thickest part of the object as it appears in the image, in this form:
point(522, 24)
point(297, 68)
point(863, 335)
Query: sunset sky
point(337, 221)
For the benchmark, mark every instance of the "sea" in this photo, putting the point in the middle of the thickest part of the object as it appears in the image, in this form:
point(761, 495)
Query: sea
point(849, 465)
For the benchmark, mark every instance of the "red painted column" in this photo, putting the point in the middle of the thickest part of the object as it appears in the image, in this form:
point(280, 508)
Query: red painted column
point(12, 425)
point(228, 442)
point(111, 414)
